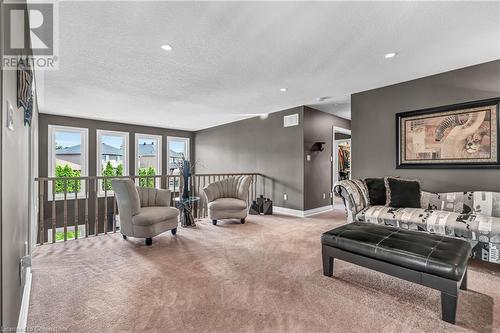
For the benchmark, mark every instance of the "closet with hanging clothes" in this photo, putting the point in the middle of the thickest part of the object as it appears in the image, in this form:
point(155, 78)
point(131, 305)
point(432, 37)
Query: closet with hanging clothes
point(344, 160)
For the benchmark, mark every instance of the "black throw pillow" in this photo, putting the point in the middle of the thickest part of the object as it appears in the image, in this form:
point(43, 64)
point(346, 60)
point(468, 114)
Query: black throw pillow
point(402, 193)
point(376, 191)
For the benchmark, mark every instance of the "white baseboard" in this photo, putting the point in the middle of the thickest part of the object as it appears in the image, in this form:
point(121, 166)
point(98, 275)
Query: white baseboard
point(288, 211)
point(318, 210)
point(22, 323)
point(301, 213)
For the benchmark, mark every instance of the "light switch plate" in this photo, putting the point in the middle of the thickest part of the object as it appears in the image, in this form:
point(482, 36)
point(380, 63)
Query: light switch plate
point(308, 157)
point(285, 196)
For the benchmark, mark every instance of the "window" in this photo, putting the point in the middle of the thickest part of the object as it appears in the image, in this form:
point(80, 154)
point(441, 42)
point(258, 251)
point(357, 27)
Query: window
point(177, 151)
point(68, 155)
point(148, 159)
point(112, 152)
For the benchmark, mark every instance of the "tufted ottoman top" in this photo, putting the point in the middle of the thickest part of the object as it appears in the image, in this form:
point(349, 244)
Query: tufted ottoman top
point(428, 253)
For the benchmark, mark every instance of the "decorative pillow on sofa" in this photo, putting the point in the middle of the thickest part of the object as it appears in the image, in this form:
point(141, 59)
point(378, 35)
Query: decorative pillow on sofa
point(402, 193)
point(376, 191)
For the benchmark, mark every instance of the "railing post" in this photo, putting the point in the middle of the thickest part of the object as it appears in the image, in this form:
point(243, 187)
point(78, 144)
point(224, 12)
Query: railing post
point(255, 194)
point(178, 182)
point(202, 196)
point(250, 191)
point(87, 190)
point(41, 204)
point(65, 209)
point(96, 208)
point(53, 211)
point(193, 191)
point(106, 207)
point(114, 211)
point(76, 208)
point(264, 181)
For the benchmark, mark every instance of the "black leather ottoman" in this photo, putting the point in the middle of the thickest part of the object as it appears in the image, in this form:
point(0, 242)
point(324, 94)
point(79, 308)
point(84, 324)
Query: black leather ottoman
point(431, 260)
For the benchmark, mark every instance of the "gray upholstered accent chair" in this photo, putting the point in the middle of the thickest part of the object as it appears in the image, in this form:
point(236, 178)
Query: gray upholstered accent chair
point(227, 198)
point(144, 212)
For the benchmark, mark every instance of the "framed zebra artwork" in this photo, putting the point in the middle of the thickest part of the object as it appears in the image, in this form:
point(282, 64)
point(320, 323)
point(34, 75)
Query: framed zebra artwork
point(25, 88)
point(454, 136)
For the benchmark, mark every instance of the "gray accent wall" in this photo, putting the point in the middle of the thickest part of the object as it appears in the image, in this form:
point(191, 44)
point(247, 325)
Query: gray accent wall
point(374, 131)
point(318, 127)
point(265, 146)
point(258, 145)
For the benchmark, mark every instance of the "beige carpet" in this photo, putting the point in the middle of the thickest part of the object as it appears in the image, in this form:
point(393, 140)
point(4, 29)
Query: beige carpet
point(263, 276)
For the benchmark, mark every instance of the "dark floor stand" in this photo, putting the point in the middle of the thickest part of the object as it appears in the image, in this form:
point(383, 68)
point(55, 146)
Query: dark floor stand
point(267, 207)
point(449, 288)
point(254, 208)
point(261, 206)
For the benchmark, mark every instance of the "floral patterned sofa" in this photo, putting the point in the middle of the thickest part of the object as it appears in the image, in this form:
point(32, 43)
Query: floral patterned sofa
point(471, 215)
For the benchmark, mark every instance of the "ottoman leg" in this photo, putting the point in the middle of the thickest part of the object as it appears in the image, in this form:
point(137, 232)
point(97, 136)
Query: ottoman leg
point(448, 307)
point(463, 285)
point(327, 263)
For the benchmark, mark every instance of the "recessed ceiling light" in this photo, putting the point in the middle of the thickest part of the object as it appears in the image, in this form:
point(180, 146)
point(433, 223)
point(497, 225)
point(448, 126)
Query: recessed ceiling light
point(166, 47)
point(390, 55)
point(284, 89)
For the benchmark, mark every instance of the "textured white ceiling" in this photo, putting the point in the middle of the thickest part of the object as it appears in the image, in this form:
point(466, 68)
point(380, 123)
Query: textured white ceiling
point(230, 59)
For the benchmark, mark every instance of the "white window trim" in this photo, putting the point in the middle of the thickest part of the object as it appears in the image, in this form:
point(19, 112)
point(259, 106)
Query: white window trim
point(158, 139)
point(84, 132)
point(177, 138)
point(99, 134)
point(188, 148)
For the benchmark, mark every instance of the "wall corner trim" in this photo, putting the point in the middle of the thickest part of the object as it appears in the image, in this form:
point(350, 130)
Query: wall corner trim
point(22, 322)
point(302, 213)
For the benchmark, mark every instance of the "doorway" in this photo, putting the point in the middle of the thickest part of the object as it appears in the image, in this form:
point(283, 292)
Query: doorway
point(342, 149)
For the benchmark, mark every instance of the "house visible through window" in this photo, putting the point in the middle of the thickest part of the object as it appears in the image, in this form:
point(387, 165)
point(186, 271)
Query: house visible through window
point(112, 152)
point(178, 151)
point(148, 159)
point(67, 158)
